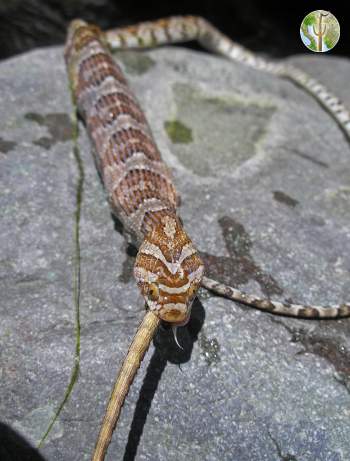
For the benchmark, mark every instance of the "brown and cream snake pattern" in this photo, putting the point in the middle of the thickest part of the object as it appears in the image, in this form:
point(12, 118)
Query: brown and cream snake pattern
point(168, 269)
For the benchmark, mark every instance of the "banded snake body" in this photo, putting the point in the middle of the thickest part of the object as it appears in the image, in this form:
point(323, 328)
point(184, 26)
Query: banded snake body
point(168, 269)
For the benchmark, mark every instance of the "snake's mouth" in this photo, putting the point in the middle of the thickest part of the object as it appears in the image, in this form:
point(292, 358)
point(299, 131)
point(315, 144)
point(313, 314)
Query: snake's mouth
point(176, 314)
point(184, 322)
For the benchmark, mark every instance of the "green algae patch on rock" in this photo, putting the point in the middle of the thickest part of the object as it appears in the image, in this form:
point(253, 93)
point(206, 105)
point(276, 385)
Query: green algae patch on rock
point(178, 132)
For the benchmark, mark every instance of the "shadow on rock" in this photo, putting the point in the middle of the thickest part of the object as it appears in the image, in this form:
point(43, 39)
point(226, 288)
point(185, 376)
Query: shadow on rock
point(14, 447)
point(166, 350)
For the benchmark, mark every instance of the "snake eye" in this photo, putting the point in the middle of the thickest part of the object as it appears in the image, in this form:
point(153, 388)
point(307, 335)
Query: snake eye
point(192, 291)
point(153, 291)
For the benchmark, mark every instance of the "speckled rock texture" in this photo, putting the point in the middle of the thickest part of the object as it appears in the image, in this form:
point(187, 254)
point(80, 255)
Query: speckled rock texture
point(263, 172)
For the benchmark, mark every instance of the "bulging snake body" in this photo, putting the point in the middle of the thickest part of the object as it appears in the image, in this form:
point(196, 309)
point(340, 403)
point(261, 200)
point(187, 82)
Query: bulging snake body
point(168, 269)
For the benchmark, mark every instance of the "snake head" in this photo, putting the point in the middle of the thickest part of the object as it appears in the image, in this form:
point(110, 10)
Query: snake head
point(168, 271)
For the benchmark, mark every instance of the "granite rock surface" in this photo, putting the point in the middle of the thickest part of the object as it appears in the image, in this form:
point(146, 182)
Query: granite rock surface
point(263, 172)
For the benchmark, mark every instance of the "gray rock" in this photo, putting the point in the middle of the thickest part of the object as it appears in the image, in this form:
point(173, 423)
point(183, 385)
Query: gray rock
point(263, 172)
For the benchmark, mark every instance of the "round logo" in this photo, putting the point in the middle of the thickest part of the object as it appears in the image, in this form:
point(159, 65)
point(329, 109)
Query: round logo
point(320, 31)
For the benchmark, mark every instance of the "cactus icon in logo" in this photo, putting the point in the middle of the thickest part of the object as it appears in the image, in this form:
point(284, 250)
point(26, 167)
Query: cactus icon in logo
point(320, 31)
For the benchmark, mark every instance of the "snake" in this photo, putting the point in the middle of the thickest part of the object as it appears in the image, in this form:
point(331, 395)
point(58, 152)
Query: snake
point(168, 268)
